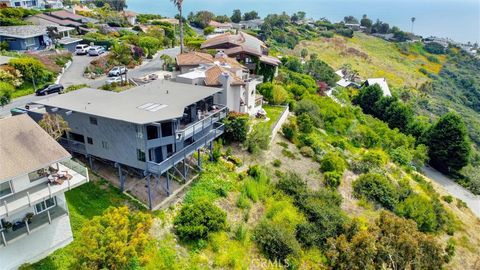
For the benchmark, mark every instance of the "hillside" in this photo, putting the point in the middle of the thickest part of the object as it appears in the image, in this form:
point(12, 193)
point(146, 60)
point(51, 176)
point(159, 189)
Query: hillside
point(373, 57)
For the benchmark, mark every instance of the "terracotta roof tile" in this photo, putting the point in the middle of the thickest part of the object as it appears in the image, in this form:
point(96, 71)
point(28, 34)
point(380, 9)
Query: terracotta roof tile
point(194, 59)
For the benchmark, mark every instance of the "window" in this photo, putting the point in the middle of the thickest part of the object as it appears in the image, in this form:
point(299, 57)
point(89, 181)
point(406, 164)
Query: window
point(30, 42)
point(104, 145)
point(93, 121)
point(89, 140)
point(38, 174)
point(167, 129)
point(5, 189)
point(169, 150)
point(152, 132)
point(77, 137)
point(140, 155)
point(45, 205)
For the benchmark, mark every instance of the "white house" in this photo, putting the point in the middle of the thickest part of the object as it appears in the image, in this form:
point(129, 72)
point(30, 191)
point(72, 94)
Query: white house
point(382, 82)
point(35, 173)
point(239, 87)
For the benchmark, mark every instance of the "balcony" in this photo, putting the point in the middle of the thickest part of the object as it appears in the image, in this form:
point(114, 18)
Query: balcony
point(198, 128)
point(37, 222)
point(27, 198)
point(162, 167)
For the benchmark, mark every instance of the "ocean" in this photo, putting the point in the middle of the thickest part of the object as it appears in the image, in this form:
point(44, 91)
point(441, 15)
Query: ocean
point(455, 19)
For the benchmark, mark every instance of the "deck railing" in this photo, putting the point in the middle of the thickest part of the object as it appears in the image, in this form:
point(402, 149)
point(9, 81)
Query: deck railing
point(162, 167)
point(200, 126)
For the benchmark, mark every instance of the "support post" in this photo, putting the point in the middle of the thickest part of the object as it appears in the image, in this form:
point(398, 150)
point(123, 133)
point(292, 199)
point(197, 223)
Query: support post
point(90, 162)
point(49, 217)
point(168, 184)
point(6, 207)
point(4, 240)
point(29, 200)
point(121, 178)
point(211, 151)
point(28, 227)
point(149, 192)
point(199, 160)
point(49, 190)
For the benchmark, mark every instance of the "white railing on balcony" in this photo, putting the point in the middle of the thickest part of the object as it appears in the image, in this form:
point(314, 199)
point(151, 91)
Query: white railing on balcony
point(27, 198)
point(162, 167)
point(199, 126)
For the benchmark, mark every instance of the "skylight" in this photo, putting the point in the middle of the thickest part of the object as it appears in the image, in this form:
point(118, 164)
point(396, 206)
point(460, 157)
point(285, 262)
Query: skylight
point(152, 107)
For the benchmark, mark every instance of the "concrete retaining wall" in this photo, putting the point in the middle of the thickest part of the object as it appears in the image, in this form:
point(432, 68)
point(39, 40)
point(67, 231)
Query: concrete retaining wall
point(280, 122)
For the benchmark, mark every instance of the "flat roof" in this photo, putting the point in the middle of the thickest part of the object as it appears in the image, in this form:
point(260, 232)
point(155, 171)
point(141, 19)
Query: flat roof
point(157, 101)
point(26, 147)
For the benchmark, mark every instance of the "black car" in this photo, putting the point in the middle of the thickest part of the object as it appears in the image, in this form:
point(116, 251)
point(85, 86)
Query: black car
point(49, 89)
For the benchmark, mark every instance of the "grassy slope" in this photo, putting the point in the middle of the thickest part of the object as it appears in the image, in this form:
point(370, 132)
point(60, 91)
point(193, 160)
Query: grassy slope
point(84, 203)
point(373, 57)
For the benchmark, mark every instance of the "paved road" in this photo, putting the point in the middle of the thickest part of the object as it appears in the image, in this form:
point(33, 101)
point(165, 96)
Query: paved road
point(74, 75)
point(454, 189)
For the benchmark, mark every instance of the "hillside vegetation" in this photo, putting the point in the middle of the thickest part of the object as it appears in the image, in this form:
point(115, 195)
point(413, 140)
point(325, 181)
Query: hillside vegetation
point(373, 58)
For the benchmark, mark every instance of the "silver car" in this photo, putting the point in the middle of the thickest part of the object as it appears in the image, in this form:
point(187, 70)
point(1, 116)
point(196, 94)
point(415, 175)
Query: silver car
point(117, 80)
point(96, 50)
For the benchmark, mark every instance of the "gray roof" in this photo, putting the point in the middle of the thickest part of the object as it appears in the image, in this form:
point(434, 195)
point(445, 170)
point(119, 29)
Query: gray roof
point(28, 31)
point(69, 40)
point(152, 102)
point(26, 147)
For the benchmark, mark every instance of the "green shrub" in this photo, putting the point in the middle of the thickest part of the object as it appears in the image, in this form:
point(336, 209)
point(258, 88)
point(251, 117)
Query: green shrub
point(6, 91)
point(377, 188)
point(288, 154)
point(305, 123)
point(448, 198)
point(275, 241)
point(292, 184)
point(372, 159)
point(236, 127)
point(421, 210)
point(307, 151)
point(243, 202)
point(332, 161)
point(258, 139)
point(196, 220)
point(277, 163)
point(290, 130)
point(332, 179)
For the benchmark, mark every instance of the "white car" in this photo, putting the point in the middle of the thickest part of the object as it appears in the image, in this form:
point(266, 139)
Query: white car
point(117, 80)
point(81, 49)
point(96, 50)
point(117, 71)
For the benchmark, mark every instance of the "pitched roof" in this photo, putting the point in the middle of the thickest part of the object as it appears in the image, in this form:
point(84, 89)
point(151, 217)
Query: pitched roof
point(219, 24)
point(199, 58)
point(270, 60)
point(128, 13)
point(157, 101)
point(194, 59)
point(213, 74)
point(28, 31)
point(65, 14)
point(26, 147)
point(66, 22)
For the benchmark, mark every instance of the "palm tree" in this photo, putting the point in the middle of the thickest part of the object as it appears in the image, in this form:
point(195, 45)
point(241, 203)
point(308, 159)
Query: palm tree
point(179, 4)
point(413, 21)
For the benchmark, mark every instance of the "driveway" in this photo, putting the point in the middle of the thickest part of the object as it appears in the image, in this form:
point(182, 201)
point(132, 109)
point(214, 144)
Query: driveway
point(454, 189)
point(74, 75)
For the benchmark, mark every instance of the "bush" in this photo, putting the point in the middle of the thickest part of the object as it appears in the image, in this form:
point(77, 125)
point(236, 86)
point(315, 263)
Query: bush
point(377, 188)
point(293, 185)
point(307, 151)
point(372, 159)
point(305, 123)
point(6, 91)
point(275, 241)
point(448, 198)
point(434, 48)
point(333, 162)
point(32, 69)
point(421, 210)
point(277, 163)
point(208, 30)
point(196, 220)
point(332, 179)
point(290, 130)
point(279, 95)
point(258, 139)
point(236, 127)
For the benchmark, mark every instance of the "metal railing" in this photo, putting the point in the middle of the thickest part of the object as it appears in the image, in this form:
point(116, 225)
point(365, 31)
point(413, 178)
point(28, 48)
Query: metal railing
point(162, 167)
point(73, 146)
point(76, 167)
point(199, 126)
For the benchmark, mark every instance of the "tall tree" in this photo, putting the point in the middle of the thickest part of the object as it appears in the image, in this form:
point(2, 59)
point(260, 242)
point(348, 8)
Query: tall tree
point(449, 147)
point(179, 5)
point(54, 125)
point(413, 21)
point(236, 16)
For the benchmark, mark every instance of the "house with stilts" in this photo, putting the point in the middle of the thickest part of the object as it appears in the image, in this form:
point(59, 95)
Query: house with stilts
point(150, 130)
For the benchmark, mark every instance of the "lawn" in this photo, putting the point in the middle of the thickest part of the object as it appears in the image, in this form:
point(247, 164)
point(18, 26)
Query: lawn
point(26, 89)
point(373, 57)
point(84, 203)
point(273, 115)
